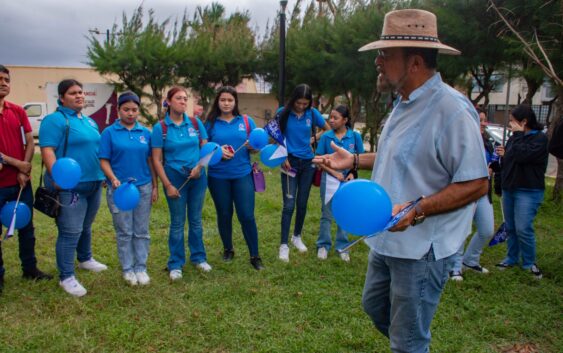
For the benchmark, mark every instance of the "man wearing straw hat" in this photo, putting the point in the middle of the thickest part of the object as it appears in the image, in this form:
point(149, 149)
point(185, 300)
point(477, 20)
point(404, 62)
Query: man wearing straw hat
point(430, 147)
point(15, 168)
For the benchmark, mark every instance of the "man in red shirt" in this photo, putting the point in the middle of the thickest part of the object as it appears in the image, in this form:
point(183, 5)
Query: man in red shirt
point(15, 170)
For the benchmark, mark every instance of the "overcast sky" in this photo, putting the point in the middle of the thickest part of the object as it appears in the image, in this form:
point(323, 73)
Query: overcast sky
point(53, 32)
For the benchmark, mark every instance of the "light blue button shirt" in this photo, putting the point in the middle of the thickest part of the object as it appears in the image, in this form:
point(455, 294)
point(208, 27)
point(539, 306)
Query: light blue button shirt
point(429, 141)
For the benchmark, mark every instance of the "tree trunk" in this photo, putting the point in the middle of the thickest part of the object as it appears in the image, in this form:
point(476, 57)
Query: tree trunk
point(557, 115)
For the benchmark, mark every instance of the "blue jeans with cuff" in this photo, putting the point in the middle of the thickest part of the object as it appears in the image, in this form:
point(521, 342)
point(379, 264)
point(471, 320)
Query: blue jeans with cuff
point(132, 230)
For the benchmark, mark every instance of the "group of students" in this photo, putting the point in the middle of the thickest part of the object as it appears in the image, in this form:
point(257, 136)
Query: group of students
point(126, 151)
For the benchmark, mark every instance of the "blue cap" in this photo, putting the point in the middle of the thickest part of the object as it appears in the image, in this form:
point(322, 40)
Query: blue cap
point(128, 96)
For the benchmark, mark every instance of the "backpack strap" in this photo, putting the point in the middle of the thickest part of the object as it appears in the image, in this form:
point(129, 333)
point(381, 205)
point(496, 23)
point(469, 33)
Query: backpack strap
point(164, 129)
point(247, 125)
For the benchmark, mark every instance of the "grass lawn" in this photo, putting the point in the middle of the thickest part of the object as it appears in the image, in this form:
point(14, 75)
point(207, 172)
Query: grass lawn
point(303, 306)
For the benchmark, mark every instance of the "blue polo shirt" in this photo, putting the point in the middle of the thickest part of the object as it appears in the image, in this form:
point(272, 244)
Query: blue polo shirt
point(127, 152)
point(351, 142)
point(429, 141)
point(181, 147)
point(299, 131)
point(231, 133)
point(83, 140)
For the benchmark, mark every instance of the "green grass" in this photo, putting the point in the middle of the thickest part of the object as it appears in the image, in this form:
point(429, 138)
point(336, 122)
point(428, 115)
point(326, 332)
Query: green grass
point(303, 306)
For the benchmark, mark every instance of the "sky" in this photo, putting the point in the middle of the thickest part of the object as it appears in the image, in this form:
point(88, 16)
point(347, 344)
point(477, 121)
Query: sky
point(54, 32)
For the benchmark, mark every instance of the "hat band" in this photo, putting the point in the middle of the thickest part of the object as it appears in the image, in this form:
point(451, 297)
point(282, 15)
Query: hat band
point(408, 37)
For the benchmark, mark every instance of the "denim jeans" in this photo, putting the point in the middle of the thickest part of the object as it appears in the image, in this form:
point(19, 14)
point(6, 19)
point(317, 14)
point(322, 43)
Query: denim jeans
point(485, 223)
point(298, 187)
point(132, 230)
point(191, 198)
point(26, 235)
point(239, 191)
point(75, 225)
point(324, 239)
point(520, 208)
point(401, 297)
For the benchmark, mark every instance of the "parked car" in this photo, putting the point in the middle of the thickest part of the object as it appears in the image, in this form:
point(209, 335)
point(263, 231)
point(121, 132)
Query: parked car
point(496, 131)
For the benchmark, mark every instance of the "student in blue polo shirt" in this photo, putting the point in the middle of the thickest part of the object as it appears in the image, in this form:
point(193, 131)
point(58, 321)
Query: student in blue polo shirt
point(298, 120)
point(125, 155)
point(230, 181)
point(343, 136)
point(176, 141)
point(81, 204)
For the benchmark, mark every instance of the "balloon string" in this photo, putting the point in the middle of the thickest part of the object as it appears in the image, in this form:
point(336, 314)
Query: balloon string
point(241, 146)
point(72, 202)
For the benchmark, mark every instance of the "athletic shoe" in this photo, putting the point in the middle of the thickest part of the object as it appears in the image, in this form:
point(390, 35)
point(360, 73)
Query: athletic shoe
point(502, 266)
point(175, 275)
point(73, 287)
point(36, 274)
point(535, 270)
point(256, 262)
point(143, 278)
point(92, 265)
point(345, 256)
point(476, 268)
point(456, 276)
point(322, 254)
point(284, 253)
point(204, 266)
point(228, 255)
point(130, 278)
point(296, 241)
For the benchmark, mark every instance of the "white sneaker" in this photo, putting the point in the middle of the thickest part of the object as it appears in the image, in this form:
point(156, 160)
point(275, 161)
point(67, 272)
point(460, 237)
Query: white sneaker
point(143, 278)
point(204, 266)
point(345, 256)
point(322, 254)
point(175, 275)
point(296, 241)
point(284, 253)
point(130, 278)
point(73, 287)
point(92, 265)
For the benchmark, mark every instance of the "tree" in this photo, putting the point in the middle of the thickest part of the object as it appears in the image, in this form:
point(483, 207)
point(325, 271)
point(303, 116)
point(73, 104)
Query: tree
point(215, 50)
point(141, 56)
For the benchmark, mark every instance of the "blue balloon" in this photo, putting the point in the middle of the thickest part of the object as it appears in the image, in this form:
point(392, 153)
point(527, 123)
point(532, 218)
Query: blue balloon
point(361, 207)
point(267, 152)
point(66, 173)
point(23, 214)
point(126, 197)
point(258, 138)
point(211, 147)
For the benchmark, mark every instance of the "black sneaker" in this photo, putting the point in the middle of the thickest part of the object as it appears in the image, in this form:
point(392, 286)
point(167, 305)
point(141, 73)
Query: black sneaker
point(502, 266)
point(228, 255)
point(476, 268)
point(535, 270)
point(256, 262)
point(36, 274)
point(456, 276)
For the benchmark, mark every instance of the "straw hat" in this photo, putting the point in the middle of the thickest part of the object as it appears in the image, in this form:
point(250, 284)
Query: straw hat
point(410, 28)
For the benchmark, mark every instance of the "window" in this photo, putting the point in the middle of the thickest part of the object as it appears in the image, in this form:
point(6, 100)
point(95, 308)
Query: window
point(33, 111)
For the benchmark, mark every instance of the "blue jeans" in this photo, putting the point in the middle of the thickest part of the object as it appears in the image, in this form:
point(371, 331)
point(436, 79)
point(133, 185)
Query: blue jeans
point(26, 235)
point(239, 191)
point(132, 230)
point(75, 226)
point(191, 198)
point(520, 208)
point(401, 297)
point(485, 223)
point(298, 187)
point(324, 239)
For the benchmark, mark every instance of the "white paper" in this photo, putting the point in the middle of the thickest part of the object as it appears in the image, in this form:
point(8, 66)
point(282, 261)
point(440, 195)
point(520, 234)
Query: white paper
point(332, 185)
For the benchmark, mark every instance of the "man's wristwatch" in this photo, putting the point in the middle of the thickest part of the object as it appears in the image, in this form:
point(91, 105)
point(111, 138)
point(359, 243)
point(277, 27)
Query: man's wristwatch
point(419, 215)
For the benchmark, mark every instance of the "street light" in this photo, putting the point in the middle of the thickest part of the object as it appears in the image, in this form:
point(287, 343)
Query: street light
point(281, 97)
point(98, 32)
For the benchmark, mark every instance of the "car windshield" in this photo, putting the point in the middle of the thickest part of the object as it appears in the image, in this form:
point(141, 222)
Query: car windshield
point(495, 132)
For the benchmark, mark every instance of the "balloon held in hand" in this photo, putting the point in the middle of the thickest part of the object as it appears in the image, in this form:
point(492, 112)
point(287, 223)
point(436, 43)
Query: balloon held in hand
point(66, 173)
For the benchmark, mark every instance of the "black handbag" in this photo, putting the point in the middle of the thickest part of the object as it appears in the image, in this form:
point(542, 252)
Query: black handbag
point(46, 200)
